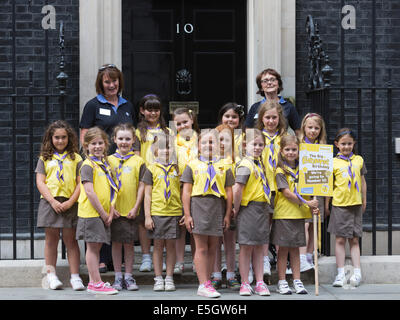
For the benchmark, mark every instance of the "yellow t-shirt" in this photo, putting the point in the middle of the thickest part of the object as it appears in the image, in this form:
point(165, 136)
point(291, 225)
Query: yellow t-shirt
point(284, 208)
point(130, 176)
point(101, 188)
point(145, 146)
point(199, 176)
point(56, 187)
point(186, 151)
point(342, 195)
point(253, 190)
point(159, 204)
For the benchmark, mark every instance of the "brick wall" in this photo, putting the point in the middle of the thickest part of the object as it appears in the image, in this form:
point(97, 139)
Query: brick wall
point(357, 52)
point(37, 49)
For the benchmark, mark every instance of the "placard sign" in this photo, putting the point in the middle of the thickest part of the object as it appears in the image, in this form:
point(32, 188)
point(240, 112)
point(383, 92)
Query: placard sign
point(316, 170)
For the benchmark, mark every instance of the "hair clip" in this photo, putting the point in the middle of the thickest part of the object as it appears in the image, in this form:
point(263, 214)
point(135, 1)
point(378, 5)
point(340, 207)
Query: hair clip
point(240, 110)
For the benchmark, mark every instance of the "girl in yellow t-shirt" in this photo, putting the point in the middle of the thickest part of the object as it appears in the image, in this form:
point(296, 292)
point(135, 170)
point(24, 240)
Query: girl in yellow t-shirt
point(272, 123)
point(207, 202)
point(163, 208)
point(128, 168)
point(312, 131)
point(227, 147)
point(348, 204)
point(151, 123)
point(289, 213)
point(251, 198)
point(96, 205)
point(57, 179)
point(185, 122)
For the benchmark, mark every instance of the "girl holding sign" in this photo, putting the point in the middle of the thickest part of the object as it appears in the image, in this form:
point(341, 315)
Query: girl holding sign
point(348, 204)
point(312, 131)
point(290, 211)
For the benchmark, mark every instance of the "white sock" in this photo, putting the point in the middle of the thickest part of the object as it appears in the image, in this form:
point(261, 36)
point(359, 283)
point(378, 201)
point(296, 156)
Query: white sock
point(51, 275)
point(217, 275)
point(146, 256)
point(230, 275)
point(170, 278)
point(118, 275)
point(357, 272)
point(340, 271)
point(158, 278)
point(128, 275)
point(75, 276)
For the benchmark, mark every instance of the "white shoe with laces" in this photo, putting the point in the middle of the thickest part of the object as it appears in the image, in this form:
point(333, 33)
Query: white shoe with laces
point(158, 284)
point(299, 287)
point(355, 280)
point(283, 287)
point(53, 281)
point(340, 280)
point(77, 284)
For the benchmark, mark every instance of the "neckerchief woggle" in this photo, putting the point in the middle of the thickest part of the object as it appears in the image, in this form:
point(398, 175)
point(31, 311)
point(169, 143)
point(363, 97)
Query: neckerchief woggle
point(122, 159)
point(295, 176)
point(350, 171)
point(60, 171)
point(271, 158)
point(166, 168)
point(211, 176)
point(260, 170)
point(106, 168)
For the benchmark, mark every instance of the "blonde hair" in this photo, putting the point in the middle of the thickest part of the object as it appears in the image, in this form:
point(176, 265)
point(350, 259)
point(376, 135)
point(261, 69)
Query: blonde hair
point(222, 127)
point(269, 105)
point(320, 121)
point(165, 140)
point(94, 133)
point(205, 132)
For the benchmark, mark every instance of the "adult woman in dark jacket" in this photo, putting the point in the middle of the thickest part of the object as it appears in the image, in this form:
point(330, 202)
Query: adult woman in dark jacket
point(269, 85)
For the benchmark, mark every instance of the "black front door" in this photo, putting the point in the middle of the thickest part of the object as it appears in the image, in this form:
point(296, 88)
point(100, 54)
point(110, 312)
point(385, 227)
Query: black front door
point(193, 50)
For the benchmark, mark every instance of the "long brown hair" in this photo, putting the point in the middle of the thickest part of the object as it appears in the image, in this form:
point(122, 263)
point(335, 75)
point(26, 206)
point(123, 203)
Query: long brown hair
point(150, 101)
point(285, 140)
point(269, 105)
point(47, 149)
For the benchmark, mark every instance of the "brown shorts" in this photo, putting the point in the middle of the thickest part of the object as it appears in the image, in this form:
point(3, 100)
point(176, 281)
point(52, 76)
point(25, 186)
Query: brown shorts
point(165, 227)
point(288, 233)
point(124, 230)
point(92, 230)
point(253, 224)
point(48, 218)
point(346, 222)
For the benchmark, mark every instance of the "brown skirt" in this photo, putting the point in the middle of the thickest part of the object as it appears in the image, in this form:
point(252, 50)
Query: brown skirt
point(124, 230)
point(93, 230)
point(165, 227)
point(208, 215)
point(346, 222)
point(48, 218)
point(253, 223)
point(288, 233)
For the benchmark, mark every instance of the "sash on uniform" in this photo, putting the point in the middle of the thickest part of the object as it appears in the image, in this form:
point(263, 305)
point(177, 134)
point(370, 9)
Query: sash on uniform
point(60, 171)
point(106, 168)
point(350, 170)
point(271, 158)
point(122, 159)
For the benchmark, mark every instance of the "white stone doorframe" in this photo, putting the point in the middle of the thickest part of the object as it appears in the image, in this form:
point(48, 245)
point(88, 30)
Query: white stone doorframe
point(270, 32)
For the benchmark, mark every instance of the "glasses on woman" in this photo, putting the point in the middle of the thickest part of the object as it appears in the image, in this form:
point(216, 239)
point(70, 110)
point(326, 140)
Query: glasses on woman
point(107, 66)
point(268, 80)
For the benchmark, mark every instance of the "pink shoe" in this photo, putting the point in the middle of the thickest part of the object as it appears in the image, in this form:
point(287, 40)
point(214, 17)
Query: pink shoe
point(101, 288)
point(262, 289)
point(245, 289)
point(208, 291)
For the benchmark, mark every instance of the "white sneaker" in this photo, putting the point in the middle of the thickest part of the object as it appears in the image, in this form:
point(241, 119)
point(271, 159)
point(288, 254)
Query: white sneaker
point(339, 280)
point(251, 274)
point(179, 267)
point(304, 264)
point(355, 280)
point(158, 284)
point(267, 267)
point(283, 287)
point(208, 291)
point(299, 287)
point(146, 265)
point(169, 285)
point(53, 281)
point(77, 284)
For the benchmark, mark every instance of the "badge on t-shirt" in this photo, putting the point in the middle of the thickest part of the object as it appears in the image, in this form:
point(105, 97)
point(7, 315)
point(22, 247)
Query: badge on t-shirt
point(105, 112)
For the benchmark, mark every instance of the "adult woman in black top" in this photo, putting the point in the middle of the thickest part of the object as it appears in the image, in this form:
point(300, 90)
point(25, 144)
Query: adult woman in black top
point(108, 108)
point(269, 85)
